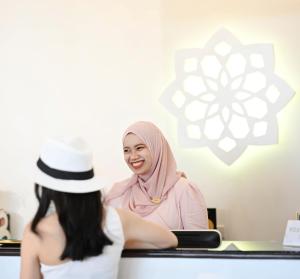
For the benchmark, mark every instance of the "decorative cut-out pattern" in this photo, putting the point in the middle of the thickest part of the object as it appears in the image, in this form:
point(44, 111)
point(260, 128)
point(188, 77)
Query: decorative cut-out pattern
point(226, 96)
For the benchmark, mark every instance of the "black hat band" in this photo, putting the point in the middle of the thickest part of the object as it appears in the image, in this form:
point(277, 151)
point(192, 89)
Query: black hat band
point(66, 175)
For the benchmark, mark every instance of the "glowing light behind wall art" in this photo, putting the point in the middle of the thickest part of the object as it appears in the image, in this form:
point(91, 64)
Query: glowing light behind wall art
point(226, 96)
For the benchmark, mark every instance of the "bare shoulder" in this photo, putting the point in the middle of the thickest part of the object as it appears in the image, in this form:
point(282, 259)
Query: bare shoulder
point(30, 248)
point(30, 241)
point(28, 233)
point(48, 227)
point(49, 224)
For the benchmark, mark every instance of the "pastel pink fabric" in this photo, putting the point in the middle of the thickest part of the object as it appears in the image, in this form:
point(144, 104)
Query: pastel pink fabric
point(136, 192)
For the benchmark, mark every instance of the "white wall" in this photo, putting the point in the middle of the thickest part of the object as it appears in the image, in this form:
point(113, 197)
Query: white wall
point(91, 68)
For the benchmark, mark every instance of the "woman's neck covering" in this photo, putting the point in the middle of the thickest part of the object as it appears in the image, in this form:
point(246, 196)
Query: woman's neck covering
point(145, 192)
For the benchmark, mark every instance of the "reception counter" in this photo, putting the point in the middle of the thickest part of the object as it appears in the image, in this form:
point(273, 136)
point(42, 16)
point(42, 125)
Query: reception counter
point(232, 260)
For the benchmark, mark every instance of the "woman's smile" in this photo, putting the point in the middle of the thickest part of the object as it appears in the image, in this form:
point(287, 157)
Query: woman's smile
point(137, 164)
point(136, 154)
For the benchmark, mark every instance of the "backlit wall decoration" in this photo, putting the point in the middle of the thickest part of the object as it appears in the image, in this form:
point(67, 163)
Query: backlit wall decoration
point(226, 96)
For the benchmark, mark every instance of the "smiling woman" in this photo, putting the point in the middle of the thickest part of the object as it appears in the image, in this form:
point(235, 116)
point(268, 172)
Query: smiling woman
point(137, 154)
point(157, 191)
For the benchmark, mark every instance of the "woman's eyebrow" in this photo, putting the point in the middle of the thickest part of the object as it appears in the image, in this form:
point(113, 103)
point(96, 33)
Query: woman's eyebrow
point(136, 145)
point(139, 144)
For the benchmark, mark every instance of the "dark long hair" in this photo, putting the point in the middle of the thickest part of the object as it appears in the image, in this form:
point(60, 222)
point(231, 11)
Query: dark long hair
point(80, 216)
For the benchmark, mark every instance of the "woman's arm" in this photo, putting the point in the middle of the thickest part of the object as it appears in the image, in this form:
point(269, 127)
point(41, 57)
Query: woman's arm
point(142, 234)
point(30, 266)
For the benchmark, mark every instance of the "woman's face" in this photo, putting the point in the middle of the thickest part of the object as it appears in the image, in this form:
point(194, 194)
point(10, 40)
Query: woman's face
point(136, 154)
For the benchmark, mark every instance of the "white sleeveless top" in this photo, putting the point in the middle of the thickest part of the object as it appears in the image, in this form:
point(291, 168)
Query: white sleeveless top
point(104, 266)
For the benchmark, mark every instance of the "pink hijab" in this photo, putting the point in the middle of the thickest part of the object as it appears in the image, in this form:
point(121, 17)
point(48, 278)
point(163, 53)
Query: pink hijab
point(145, 193)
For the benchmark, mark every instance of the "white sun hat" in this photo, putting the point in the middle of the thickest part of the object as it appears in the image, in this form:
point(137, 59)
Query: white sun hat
point(66, 166)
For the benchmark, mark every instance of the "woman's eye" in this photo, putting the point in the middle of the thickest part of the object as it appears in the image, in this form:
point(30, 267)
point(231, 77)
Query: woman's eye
point(125, 150)
point(140, 148)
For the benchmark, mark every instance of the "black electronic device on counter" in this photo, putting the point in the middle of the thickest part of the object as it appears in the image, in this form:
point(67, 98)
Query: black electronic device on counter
point(10, 243)
point(206, 239)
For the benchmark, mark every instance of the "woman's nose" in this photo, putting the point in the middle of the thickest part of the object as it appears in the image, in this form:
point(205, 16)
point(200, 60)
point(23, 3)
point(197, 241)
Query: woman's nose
point(133, 155)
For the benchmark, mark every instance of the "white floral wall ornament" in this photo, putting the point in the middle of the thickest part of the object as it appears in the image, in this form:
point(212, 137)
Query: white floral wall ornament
point(226, 96)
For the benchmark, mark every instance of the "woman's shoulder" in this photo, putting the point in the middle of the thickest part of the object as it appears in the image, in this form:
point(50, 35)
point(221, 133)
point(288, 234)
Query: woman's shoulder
point(34, 239)
point(184, 184)
point(47, 226)
point(28, 233)
point(186, 187)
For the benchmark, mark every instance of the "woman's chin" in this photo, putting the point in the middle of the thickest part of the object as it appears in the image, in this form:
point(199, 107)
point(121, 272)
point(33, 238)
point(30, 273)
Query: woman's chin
point(140, 171)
